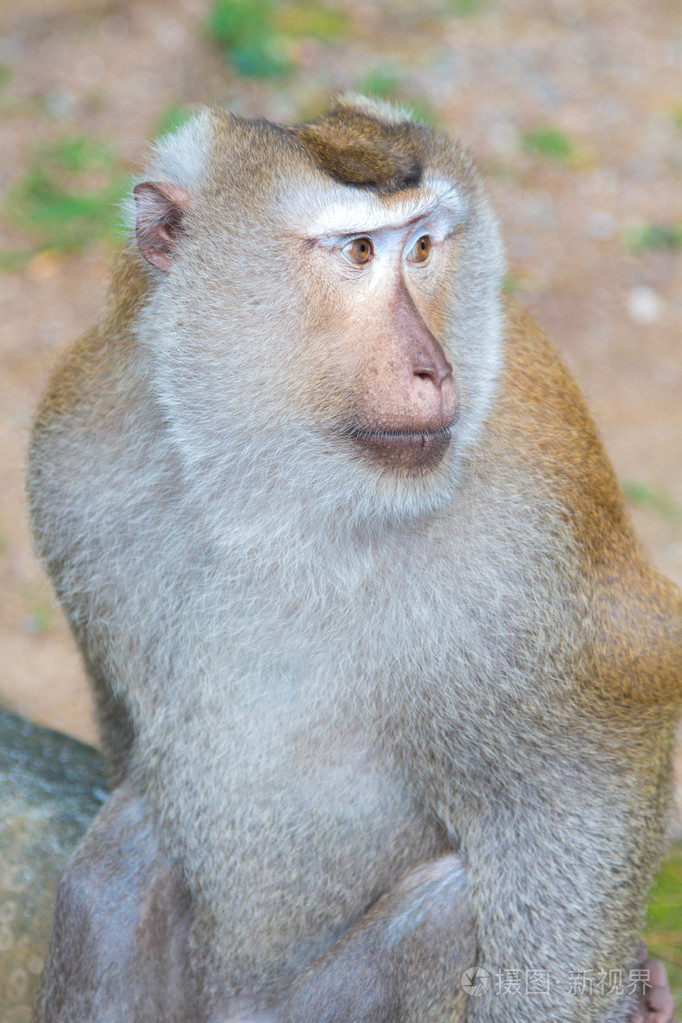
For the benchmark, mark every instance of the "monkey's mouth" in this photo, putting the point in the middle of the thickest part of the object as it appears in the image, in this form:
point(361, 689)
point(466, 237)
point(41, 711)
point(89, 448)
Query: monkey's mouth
point(403, 449)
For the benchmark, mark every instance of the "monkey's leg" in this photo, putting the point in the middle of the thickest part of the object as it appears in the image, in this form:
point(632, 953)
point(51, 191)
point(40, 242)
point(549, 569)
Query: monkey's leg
point(119, 942)
point(118, 950)
point(402, 963)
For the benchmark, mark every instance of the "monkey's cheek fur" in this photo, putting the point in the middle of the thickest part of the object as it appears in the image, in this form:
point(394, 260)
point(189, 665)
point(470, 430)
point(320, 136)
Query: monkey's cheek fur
point(405, 451)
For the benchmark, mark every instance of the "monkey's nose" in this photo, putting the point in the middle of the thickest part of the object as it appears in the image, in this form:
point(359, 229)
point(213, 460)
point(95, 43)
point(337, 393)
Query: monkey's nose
point(428, 370)
point(433, 391)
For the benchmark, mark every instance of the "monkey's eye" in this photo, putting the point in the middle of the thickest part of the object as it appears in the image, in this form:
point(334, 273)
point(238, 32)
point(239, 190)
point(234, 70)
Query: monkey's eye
point(360, 250)
point(421, 249)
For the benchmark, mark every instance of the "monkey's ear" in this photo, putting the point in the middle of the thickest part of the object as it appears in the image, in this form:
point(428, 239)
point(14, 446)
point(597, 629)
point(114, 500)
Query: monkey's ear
point(159, 209)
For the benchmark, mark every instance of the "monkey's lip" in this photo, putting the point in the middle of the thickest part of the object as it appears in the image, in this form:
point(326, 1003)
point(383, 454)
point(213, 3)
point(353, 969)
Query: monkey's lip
point(405, 449)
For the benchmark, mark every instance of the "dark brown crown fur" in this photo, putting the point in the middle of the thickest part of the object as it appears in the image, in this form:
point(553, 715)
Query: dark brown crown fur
point(358, 149)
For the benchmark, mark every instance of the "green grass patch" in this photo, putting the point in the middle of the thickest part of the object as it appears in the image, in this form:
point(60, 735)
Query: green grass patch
point(663, 935)
point(382, 82)
point(256, 35)
point(245, 32)
point(310, 21)
point(464, 8)
point(422, 110)
point(68, 198)
point(548, 141)
point(15, 257)
point(654, 236)
point(645, 496)
point(512, 285)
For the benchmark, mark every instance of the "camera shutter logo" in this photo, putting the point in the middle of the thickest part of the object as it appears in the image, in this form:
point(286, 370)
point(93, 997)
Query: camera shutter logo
point(475, 981)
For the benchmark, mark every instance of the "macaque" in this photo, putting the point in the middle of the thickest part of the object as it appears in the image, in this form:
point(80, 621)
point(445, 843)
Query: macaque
point(385, 685)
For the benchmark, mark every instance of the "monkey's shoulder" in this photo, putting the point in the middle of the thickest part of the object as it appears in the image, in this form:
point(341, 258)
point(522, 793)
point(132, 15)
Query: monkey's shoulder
point(544, 435)
point(542, 420)
point(92, 427)
point(88, 382)
point(633, 614)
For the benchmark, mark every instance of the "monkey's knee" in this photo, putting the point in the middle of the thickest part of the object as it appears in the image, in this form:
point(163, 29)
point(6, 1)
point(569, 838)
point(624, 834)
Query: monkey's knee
point(81, 958)
point(118, 949)
point(403, 962)
point(437, 939)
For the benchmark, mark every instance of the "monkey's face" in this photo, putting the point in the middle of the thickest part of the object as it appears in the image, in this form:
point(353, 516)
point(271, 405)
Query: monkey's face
point(383, 379)
point(341, 330)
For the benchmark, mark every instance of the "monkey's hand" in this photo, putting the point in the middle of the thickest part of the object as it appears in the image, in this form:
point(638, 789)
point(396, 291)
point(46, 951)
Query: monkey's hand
point(656, 1004)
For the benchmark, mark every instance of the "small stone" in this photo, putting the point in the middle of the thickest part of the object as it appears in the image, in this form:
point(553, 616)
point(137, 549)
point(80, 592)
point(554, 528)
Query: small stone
point(644, 305)
point(61, 102)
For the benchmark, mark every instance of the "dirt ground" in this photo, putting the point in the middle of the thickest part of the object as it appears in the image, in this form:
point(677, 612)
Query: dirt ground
point(605, 74)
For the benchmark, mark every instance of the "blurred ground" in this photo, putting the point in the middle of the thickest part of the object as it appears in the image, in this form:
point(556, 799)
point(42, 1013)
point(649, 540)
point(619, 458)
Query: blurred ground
point(574, 110)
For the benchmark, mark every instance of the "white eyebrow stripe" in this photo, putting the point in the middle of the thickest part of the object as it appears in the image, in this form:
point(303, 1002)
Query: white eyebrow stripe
point(362, 212)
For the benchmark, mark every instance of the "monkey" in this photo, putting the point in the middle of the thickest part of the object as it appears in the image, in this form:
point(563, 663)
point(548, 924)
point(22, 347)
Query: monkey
point(386, 688)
